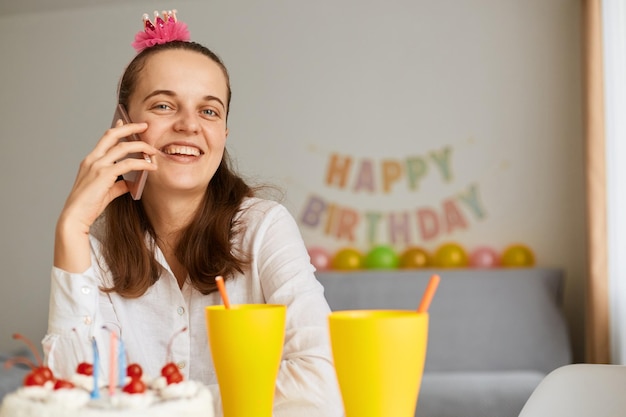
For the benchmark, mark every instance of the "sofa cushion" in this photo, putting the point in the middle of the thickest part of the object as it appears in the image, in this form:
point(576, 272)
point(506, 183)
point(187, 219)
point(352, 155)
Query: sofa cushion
point(475, 394)
point(480, 319)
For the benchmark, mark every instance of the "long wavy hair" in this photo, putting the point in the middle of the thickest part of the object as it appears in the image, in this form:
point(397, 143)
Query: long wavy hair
point(205, 246)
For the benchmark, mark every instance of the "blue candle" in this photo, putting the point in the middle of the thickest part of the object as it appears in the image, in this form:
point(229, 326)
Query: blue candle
point(121, 361)
point(95, 392)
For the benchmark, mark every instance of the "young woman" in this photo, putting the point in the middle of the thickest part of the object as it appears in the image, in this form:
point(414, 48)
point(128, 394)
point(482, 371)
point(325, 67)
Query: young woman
point(146, 268)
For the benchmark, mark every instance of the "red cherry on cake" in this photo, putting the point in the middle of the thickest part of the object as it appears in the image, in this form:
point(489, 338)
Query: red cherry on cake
point(61, 383)
point(134, 370)
point(36, 377)
point(169, 369)
point(171, 373)
point(174, 378)
point(45, 372)
point(135, 386)
point(84, 368)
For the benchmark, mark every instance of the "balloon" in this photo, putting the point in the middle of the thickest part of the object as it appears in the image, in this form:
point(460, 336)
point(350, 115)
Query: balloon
point(484, 257)
point(347, 259)
point(518, 255)
point(319, 258)
point(450, 255)
point(381, 257)
point(414, 257)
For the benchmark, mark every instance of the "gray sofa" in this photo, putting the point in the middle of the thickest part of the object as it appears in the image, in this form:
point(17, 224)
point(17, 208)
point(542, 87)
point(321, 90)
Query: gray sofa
point(494, 333)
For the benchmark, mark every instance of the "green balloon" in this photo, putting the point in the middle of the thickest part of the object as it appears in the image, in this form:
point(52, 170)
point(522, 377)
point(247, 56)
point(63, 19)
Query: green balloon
point(382, 257)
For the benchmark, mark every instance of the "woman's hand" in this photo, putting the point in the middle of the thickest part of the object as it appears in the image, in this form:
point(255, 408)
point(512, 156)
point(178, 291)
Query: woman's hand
point(96, 185)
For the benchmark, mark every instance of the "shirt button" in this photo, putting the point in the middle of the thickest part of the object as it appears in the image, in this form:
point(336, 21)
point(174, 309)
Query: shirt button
point(181, 365)
point(87, 319)
point(180, 311)
point(85, 290)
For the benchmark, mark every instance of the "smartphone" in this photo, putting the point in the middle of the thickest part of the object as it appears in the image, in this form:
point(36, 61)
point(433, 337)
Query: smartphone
point(135, 180)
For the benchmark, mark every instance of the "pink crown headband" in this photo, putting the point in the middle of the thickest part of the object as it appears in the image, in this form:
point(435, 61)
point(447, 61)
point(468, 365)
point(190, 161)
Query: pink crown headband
point(162, 30)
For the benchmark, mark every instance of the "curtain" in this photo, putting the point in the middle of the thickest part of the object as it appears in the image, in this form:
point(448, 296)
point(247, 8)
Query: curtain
point(614, 49)
point(597, 348)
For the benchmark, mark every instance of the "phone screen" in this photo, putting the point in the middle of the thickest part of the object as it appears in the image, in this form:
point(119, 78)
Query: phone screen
point(135, 180)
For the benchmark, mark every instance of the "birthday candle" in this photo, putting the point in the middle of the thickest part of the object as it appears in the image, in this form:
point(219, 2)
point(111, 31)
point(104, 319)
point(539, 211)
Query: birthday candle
point(113, 364)
point(122, 364)
point(95, 392)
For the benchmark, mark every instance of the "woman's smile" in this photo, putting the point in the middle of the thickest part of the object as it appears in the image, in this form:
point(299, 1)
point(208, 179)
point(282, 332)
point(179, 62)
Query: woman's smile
point(181, 150)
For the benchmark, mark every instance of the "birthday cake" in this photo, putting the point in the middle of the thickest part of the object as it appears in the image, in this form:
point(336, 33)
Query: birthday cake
point(84, 394)
point(188, 399)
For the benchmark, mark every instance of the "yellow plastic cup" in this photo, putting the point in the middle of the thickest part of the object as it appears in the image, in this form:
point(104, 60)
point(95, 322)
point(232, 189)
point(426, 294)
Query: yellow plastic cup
point(379, 360)
point(246, 344)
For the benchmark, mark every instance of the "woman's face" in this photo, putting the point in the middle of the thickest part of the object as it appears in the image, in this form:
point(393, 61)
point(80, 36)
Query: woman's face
point(181, 95)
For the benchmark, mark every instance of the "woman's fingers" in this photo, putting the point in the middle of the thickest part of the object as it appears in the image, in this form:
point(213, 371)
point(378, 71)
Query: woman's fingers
point(107, 169)
point(110, 166)
point(114, 135)
point(96, 183)
point(127, 150)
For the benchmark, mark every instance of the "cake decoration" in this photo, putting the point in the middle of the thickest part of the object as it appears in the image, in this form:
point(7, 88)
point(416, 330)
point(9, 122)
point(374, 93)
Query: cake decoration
point(95, 391)
point(39, 375)
point(136, 384)
point(83, 368)
point(80, 396)
point(170, 371)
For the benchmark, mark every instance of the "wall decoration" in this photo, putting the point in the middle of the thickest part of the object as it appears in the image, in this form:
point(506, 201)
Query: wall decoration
point(518, 255)
point(450, 255)
point(406, 224)
point(415, 257)
point(346, 259)
point(382, 257)
point(484, 257)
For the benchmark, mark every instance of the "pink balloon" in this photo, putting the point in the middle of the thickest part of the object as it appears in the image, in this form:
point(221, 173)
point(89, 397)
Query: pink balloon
point(484, 257)
point(319, 258)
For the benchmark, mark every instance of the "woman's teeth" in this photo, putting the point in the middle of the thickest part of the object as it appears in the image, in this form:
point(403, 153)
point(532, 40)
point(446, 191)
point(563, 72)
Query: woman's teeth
point(181, 150)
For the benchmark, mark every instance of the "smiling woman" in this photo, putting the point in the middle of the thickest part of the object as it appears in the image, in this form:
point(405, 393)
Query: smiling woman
point(180, 95)
point(148, 267)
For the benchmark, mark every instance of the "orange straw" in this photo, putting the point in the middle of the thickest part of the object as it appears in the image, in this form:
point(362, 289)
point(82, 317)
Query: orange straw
point(431, 288)
point(222, 289)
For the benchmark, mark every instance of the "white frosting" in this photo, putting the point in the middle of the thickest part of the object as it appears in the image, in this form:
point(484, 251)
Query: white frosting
point(182, 390)
point(123, 400)
point(158, 384)
point(34, 393)
point(83, 381)
point(71, 398)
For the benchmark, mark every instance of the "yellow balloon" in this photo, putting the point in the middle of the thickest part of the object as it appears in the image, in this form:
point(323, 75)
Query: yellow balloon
point(451, 255)
point(518, 256)
point(347, 259)
point(414, 257)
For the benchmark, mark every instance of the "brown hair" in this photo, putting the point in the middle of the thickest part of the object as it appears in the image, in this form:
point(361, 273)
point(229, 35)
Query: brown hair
point(205, 245)
point(133, 70)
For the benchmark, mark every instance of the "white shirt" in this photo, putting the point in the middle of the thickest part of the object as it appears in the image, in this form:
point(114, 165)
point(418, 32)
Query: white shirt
point(280, 273)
